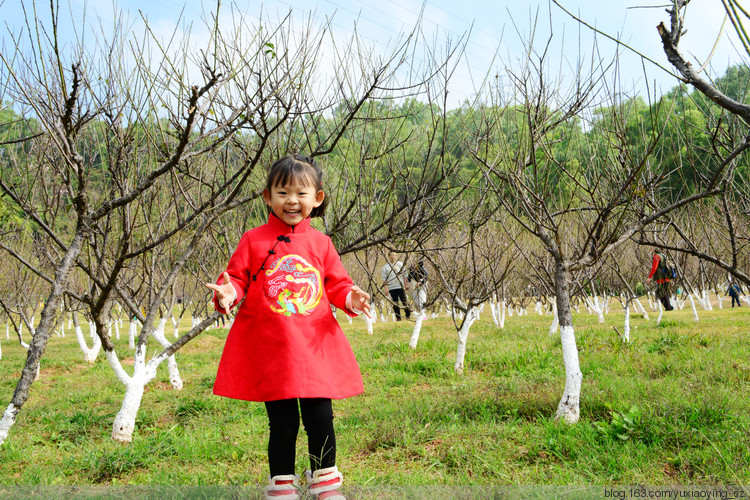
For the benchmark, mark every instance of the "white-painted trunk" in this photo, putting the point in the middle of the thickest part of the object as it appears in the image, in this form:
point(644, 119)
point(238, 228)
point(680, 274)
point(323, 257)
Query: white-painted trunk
point(493, 311)
point(707, 301)
point(569, 407)
point(174, 372)
point(417, 329)
point(463, 336)
point(176, 326)
point(7, 331)
point(124, 424)
point(595, 306)
point(502, 314)
point(538, 308)
point(661, 312)
point(369, 321)
point(348, 318)
point(651, 302)
point(626, 327)
point(117, 330)
point(692, 305)
point(510, 311)
point(131, 334)
point(555, 320)
point(641, 309)
point(89, 354)
point(9, 418)
point(719, 300)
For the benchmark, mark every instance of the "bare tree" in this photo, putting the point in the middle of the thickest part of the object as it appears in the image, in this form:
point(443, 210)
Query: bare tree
point(151, 155)
point(582, 196)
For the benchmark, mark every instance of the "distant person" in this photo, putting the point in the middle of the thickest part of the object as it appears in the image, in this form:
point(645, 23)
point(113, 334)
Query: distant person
point(418, 276)
point(734, 291)
point(285, 347)
point(393, 281)
point(661, 274)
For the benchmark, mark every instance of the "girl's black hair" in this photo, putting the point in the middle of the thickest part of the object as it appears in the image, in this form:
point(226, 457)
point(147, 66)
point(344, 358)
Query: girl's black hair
point(302, 169)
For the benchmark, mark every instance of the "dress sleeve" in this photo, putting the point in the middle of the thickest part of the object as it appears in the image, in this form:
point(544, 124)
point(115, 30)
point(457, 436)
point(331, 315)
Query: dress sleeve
point(654, 265)
point(337, 282)
point(238, 269)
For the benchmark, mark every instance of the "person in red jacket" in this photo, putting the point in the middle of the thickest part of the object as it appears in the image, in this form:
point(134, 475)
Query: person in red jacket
point(660, 273)
point(285, 347)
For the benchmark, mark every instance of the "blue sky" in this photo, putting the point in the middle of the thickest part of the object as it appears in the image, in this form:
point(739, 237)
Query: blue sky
point(497, 26)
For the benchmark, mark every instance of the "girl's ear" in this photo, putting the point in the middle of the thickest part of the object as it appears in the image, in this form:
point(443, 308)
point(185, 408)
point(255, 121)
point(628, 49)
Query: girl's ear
point(267, 196)
point(319, 197)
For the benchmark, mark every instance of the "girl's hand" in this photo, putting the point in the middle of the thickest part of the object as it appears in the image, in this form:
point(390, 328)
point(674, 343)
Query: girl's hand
point(225, 292)
point(361, 300)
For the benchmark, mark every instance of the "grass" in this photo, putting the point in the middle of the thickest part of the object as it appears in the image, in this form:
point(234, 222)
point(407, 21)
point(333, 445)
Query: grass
point(671, 407)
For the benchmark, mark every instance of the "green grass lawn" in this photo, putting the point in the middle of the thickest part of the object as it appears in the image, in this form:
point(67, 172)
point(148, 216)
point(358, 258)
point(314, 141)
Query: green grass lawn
point(673, 407)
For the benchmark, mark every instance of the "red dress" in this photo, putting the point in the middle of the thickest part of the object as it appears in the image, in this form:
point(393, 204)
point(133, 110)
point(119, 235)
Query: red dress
point(285, 341)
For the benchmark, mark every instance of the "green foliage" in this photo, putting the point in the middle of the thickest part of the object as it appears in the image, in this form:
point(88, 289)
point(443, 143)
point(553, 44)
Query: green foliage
point(622, 426)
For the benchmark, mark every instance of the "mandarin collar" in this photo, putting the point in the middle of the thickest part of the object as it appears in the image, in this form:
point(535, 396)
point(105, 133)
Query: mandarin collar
point(281, 226)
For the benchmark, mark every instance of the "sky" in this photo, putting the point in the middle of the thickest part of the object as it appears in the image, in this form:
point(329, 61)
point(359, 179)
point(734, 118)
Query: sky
point(496, 30)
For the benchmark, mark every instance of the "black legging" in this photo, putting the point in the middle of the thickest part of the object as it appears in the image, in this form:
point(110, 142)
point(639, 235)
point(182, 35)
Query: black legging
point(399, 295)
point(283, 421)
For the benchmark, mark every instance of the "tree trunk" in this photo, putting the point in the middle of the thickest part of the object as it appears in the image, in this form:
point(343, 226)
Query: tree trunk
point(692, 305)
point(626, 327)
point(131, 333)
point(595, 306)
point(555, 320)
point(417, 328)
point(493, 311)
point(569, 407)
point(641, 309)
point(174, 372)
point(39, 341)
point(124, 424)
point(463, 336)
point(89, 355)
point(661, 312)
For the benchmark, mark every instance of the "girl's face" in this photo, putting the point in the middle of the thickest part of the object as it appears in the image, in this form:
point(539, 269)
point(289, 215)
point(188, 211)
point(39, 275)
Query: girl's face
point(293, 202)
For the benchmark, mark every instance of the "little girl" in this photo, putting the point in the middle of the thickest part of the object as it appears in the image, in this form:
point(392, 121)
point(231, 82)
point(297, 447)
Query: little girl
point(285, 347)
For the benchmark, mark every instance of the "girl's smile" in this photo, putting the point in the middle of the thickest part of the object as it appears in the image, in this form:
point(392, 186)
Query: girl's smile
point(293, 202)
